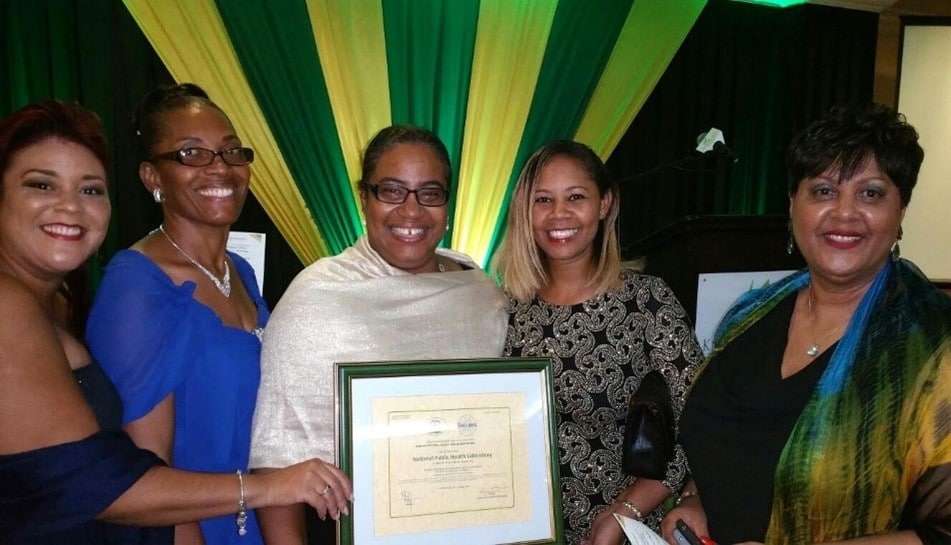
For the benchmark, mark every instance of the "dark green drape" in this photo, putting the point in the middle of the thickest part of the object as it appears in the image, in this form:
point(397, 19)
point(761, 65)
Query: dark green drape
point(306, 132)
point(429, 47)
point(757, 73)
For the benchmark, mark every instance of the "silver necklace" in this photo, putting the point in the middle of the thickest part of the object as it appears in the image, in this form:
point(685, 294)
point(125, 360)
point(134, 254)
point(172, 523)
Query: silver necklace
point(223, 285)
point(813, 349)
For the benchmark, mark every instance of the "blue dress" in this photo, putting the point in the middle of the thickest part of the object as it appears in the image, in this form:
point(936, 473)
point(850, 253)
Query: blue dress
point(50, 496)
point(154, 339)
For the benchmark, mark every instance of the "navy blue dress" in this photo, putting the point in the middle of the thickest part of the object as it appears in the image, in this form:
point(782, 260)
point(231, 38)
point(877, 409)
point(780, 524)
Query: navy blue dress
point(52, 495)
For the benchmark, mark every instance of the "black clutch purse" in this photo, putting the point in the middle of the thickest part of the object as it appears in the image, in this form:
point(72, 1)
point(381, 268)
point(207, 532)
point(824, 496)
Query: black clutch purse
point(649, 430)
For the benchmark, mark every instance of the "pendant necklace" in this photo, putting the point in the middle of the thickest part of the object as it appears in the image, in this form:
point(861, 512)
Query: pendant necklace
point(223, 285)
point(813, 349)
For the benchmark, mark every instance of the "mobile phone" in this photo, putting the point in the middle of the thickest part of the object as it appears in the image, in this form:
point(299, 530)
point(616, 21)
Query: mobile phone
point(684, 535)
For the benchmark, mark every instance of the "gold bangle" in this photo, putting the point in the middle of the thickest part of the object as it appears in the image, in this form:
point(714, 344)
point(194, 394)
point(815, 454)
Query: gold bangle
point(684, 496)
point(633, 509)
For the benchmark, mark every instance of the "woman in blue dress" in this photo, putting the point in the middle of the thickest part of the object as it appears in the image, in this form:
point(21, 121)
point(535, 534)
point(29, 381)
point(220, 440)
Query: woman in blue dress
point(176, 322)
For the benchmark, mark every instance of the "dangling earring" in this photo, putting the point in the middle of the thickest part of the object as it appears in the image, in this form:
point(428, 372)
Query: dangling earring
point(791, 243)
point(896, 251)
point(157, 194)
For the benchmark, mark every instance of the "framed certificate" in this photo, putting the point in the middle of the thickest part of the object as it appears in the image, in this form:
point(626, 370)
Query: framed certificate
point(454, 451)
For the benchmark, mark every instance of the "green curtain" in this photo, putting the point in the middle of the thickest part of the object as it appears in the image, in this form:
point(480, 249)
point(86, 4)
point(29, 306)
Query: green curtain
point(725, 75)
point(429, 48)
point(307, 61)
point(579, 46)
point(275, 45)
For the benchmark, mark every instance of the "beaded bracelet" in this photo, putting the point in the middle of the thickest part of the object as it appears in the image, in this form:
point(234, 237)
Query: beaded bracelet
point(684, 496)
point(633, 509)
point(241, 517)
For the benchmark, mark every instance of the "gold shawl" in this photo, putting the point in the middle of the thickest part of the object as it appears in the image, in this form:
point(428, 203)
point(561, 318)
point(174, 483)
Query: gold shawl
point(357, 307)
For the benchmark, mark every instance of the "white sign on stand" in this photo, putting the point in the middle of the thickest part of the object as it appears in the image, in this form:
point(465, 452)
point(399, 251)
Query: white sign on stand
point(716, 293)
point(250, 246)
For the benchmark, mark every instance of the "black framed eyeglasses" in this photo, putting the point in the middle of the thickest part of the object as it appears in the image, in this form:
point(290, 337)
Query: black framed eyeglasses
point(393, 193)
point(201, 157)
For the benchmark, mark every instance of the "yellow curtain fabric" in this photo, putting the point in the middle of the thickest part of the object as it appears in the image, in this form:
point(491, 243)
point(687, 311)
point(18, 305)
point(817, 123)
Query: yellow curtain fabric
point(352, 49)
point(500, 97)
point(191, 41)
point(652, 33)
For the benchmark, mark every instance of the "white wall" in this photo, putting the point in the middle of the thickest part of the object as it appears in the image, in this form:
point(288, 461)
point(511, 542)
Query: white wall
point(924, 96)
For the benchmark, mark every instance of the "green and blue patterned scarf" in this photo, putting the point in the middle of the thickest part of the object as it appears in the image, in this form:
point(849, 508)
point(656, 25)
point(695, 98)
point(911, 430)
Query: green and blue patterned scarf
point(871, 452)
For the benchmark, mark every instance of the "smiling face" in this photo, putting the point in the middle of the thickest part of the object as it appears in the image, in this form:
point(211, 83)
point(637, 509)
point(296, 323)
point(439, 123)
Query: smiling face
point(846, 230)
point(566, 212)
point(54, 208)
point(209, 195)
point(406, 234)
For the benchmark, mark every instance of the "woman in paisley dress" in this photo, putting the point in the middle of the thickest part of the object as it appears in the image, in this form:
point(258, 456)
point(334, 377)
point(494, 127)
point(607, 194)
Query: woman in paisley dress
point(604, 325)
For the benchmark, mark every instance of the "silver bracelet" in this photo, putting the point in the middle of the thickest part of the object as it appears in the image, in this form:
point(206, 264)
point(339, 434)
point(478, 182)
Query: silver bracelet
point(633, 509)
point(241, 517)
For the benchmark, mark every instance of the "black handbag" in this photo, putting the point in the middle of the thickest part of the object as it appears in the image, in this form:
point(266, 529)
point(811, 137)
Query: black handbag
point(649, 430)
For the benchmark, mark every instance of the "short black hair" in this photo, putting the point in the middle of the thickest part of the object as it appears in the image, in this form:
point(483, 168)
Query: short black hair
point(847, 137)
point(403, 134)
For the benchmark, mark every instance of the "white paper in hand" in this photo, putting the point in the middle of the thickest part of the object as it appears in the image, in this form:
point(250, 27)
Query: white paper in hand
point(637, 532)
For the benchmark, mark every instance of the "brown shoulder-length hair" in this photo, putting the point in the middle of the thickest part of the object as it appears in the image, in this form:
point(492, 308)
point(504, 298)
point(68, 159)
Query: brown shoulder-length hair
point(56, 120)
point(519, 263)
point(66, 122)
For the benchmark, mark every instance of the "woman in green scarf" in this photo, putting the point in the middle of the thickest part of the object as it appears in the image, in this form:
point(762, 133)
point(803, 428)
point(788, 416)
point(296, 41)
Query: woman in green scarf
point(824, 412)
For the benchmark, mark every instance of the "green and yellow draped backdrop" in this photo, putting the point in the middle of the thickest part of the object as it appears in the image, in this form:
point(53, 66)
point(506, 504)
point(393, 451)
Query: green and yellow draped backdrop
point(308, 82)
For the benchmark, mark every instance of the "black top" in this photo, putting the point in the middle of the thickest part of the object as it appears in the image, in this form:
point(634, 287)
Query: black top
point(737, 420)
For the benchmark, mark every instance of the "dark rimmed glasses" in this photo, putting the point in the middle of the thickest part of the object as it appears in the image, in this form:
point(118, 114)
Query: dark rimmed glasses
point(201, 157)
point(393, 193)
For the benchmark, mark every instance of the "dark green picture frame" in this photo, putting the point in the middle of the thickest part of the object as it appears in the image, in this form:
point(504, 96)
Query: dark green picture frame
point(346, 375)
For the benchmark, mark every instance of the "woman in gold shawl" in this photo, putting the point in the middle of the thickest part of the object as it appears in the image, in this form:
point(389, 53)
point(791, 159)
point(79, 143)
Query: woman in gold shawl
point(392, 296)
point(823, 413)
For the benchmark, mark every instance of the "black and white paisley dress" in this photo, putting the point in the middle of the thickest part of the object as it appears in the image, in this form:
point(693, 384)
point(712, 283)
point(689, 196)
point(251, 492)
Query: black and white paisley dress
point(601, 349)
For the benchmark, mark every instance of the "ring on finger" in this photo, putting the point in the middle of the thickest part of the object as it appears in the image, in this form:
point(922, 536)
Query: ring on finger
point(326, 490)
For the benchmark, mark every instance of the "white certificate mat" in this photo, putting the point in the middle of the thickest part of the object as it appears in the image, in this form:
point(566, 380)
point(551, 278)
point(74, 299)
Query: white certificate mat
point(450, 458)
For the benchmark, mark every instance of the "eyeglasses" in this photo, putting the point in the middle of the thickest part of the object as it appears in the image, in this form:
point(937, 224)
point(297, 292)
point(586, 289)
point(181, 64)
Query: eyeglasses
point(392, 193)
point(201, 157)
